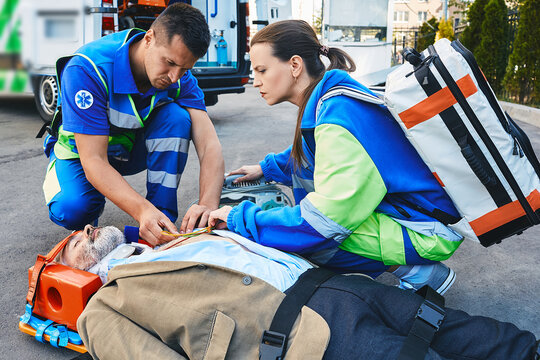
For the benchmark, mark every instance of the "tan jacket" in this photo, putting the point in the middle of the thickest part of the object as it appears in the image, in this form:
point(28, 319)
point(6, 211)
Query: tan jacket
point(153, 310)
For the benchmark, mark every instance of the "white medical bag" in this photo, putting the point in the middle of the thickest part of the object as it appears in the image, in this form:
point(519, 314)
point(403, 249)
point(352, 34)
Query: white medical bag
point(483, 160)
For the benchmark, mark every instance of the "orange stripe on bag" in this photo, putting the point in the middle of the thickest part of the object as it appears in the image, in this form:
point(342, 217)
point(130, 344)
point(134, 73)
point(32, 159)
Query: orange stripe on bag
point(504, 214)
point(436, 103)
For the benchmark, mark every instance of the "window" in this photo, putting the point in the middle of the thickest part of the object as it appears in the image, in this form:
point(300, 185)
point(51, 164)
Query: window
point(368, 25)
point(401, 16)
point(423, 1)
point(274, 13)
point(422, 16)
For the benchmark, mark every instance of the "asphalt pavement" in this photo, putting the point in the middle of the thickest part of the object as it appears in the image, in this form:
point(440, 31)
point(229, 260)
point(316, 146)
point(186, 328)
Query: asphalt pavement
point(502, 281)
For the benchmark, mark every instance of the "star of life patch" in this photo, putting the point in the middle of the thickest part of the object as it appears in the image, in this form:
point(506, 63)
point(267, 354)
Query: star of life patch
point(83, 99)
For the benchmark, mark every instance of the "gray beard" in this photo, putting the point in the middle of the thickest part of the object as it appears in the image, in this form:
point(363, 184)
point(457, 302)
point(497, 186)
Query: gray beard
point(107, 240)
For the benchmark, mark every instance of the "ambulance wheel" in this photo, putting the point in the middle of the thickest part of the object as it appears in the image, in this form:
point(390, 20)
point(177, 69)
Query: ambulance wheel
point(126, 22)
point(45, 95)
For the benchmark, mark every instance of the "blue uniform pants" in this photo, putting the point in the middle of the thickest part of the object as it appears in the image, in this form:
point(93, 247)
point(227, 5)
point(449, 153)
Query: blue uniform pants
point(161, 147)
point(369, 320)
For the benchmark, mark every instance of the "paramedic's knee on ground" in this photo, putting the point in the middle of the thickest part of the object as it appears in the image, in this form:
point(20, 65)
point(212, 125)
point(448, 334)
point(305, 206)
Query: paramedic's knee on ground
point(89, 246)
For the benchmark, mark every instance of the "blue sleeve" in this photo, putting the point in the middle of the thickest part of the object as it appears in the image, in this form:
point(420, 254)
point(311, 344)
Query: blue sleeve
point(277, 167)
point(280, 228)
point(191, 95)
point(84, 100)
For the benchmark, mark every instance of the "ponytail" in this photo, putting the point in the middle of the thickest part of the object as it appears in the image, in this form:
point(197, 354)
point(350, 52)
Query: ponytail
point(339, 59)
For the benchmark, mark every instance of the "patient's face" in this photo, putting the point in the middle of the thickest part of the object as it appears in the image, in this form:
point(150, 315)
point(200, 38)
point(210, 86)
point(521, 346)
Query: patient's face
point(89, 246)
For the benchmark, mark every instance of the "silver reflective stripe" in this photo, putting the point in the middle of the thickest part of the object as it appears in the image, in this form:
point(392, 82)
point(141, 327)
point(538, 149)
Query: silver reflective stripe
point(323, 257)
point(175, 144)
point(431, 228)
point(123, 120)
point(350, 92)
point(163, 178)
point(323, 224)
point(305, 184)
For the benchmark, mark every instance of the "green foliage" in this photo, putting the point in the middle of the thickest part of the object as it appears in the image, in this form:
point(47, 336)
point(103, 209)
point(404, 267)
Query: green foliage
point(446, 30)
point(426, 35)
point(522, 77)
point(492, 53)
point(475, 16)
point(317, 23)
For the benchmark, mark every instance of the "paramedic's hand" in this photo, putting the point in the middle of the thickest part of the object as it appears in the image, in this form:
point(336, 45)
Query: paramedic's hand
point(219, 215)
point(196, 216)
point(250, 172)
point(151, 223)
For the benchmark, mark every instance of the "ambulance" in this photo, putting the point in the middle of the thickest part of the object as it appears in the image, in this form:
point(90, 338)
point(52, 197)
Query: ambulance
point(35, 33)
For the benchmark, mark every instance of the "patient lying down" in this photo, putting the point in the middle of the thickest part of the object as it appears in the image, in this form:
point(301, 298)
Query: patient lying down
point(370, 308)
point(98, 250)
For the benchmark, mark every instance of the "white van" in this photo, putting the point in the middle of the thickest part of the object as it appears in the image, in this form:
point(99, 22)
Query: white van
point(55, 28)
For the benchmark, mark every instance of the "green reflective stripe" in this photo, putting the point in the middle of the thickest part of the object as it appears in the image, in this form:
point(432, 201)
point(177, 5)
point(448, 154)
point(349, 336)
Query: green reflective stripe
point(128, 35)
point(433, 247)
point(348, 186)
point(135, 109)
point(97, 71)
point(62, 149)
point(178, 91)
point(126, 140)
point(151, 107)
point(379, 238)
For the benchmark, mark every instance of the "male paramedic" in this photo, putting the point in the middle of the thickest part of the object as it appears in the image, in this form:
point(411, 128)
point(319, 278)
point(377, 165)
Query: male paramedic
point(211, 297)
point(129, 103)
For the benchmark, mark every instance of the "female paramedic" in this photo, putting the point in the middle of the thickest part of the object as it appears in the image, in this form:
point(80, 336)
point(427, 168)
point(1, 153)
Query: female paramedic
point(365, 200)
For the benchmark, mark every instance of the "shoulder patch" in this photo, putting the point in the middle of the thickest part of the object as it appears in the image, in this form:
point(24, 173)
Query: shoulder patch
point(84, 99)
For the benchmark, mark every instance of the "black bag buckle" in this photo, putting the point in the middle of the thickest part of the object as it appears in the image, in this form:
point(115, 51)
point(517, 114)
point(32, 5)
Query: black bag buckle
point(272, 345)
point(431, 314)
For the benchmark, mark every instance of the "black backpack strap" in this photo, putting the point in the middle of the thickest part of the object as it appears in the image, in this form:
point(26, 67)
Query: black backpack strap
point(274, 340)
point(429, 317)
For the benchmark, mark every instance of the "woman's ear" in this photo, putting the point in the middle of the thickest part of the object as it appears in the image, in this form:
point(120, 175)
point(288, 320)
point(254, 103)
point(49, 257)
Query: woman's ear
point(297, 65)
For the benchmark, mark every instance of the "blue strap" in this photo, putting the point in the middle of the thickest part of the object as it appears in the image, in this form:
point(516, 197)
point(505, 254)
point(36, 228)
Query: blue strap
point(27, 314)
point(59, 334)
point(54, 334)
point(41, 329)
point(64, 337)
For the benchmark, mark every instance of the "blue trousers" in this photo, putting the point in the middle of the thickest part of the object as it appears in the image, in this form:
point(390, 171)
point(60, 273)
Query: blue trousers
point(369, 320)
point(161, 148)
